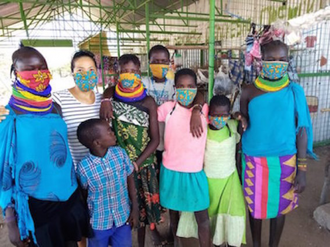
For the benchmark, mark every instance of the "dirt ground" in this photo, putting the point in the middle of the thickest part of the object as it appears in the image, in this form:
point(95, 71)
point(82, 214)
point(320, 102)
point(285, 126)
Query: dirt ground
point(300, 229)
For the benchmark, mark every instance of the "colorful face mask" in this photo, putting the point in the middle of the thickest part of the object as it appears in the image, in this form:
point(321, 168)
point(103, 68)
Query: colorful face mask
point(185, 96)
point(129, 80)
point(218, 122)
point(37, 80)
point(86, 81)
point(273, 70)
point(159, 70)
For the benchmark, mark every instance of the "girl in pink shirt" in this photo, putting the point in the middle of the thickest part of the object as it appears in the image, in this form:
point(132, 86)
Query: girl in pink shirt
point(183, 184)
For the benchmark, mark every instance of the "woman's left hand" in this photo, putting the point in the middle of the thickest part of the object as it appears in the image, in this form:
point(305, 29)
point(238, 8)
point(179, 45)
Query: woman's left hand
point(3, 113)
point(196, 127)
point(300, 182)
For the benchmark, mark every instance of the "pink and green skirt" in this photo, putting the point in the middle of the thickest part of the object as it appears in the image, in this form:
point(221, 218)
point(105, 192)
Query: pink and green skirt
point(268, 185)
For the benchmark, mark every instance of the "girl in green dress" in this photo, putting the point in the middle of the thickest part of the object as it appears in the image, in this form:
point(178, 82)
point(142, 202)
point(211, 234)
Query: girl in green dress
point(227, 207)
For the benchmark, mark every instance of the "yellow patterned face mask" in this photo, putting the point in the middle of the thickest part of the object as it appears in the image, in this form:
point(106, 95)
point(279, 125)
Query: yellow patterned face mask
point(159, 70)
point(129, 80)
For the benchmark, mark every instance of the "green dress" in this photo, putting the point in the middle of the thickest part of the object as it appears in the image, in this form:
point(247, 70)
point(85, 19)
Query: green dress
point(131, 125)
point(227, 207)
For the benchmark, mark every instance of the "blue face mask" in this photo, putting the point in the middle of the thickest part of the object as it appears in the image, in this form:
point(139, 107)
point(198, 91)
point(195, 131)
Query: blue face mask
point(86, 81)
point(218, 122)
point(185, 96)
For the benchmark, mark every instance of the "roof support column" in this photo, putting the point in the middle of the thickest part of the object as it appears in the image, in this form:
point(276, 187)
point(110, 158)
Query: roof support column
point(117, 38)
point(23, 18)
point(147, 29)
point(211, 49)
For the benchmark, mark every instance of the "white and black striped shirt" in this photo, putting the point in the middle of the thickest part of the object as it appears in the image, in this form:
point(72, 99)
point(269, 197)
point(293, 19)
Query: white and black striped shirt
point(75, 112)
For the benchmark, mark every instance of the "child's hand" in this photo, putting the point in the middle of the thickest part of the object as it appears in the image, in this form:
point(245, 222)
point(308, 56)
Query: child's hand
point(133, 219)
point(3, 113)
point(196, 126)
point(238, 116)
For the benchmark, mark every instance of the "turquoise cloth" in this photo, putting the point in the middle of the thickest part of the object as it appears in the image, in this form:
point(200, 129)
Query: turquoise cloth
point(35, 161)
point(182, 191)
point(272, 126)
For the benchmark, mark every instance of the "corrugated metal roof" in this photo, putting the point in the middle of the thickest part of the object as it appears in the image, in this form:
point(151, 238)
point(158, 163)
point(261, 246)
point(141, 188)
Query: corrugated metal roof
point(97, 10)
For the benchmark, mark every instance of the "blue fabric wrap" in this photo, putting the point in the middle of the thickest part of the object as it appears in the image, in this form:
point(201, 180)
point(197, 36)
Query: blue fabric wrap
point(35, 161)
point(275, 119)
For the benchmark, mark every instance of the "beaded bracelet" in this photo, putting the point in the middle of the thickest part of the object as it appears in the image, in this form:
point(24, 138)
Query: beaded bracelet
point(302, 167)
point(302, 164)
point(198, 105)
point(106, 100)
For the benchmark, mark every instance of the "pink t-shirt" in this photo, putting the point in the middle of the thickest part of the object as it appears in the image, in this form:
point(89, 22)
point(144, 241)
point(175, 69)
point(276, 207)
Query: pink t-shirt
point(183, 152)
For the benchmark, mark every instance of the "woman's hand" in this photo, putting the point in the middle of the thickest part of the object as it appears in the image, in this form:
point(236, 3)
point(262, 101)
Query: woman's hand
point(300, 182)
point(238, 116)
point(106, 111)
point(196, 126)
point(3, 113)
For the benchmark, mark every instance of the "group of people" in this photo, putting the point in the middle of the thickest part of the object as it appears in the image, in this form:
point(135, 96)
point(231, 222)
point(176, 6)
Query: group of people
point(76, 164)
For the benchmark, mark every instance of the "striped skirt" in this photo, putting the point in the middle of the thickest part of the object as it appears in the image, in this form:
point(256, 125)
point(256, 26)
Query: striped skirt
point(268, 185)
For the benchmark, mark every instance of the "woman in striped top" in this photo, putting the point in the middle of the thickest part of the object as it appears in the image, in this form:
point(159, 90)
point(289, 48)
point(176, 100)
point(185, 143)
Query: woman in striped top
point(79, 103)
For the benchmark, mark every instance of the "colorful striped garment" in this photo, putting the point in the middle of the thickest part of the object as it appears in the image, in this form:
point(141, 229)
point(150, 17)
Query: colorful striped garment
point(268, 185)
point(28, 100)
point(269, 146)
point(130, 94)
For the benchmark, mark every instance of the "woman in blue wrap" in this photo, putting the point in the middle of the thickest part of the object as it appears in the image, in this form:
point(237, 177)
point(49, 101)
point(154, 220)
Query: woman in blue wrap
point(38, 187)
point(275, 144)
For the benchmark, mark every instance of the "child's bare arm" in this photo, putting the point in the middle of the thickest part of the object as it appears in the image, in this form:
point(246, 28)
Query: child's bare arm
point(134, 215)
point(153, 131)
point(196, 125)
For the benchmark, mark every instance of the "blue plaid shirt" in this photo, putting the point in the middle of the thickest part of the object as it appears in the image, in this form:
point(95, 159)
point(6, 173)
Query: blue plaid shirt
point(106, 181)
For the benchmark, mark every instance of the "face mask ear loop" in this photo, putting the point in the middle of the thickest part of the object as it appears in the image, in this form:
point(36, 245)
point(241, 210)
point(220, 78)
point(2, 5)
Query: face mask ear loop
point(12, 70)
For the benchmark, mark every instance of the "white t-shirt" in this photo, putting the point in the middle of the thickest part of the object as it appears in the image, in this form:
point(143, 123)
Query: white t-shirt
point(74, 113)
point(162, 93)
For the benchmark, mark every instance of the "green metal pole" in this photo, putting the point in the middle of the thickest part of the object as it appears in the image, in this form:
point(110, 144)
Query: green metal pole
point(211, 49)
point(118, 43)
point(201, 58)
point(101, 55)
point(23, 18)
point(147, 29)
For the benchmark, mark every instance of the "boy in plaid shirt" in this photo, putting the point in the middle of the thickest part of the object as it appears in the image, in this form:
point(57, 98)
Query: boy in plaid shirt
point(107, 175)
